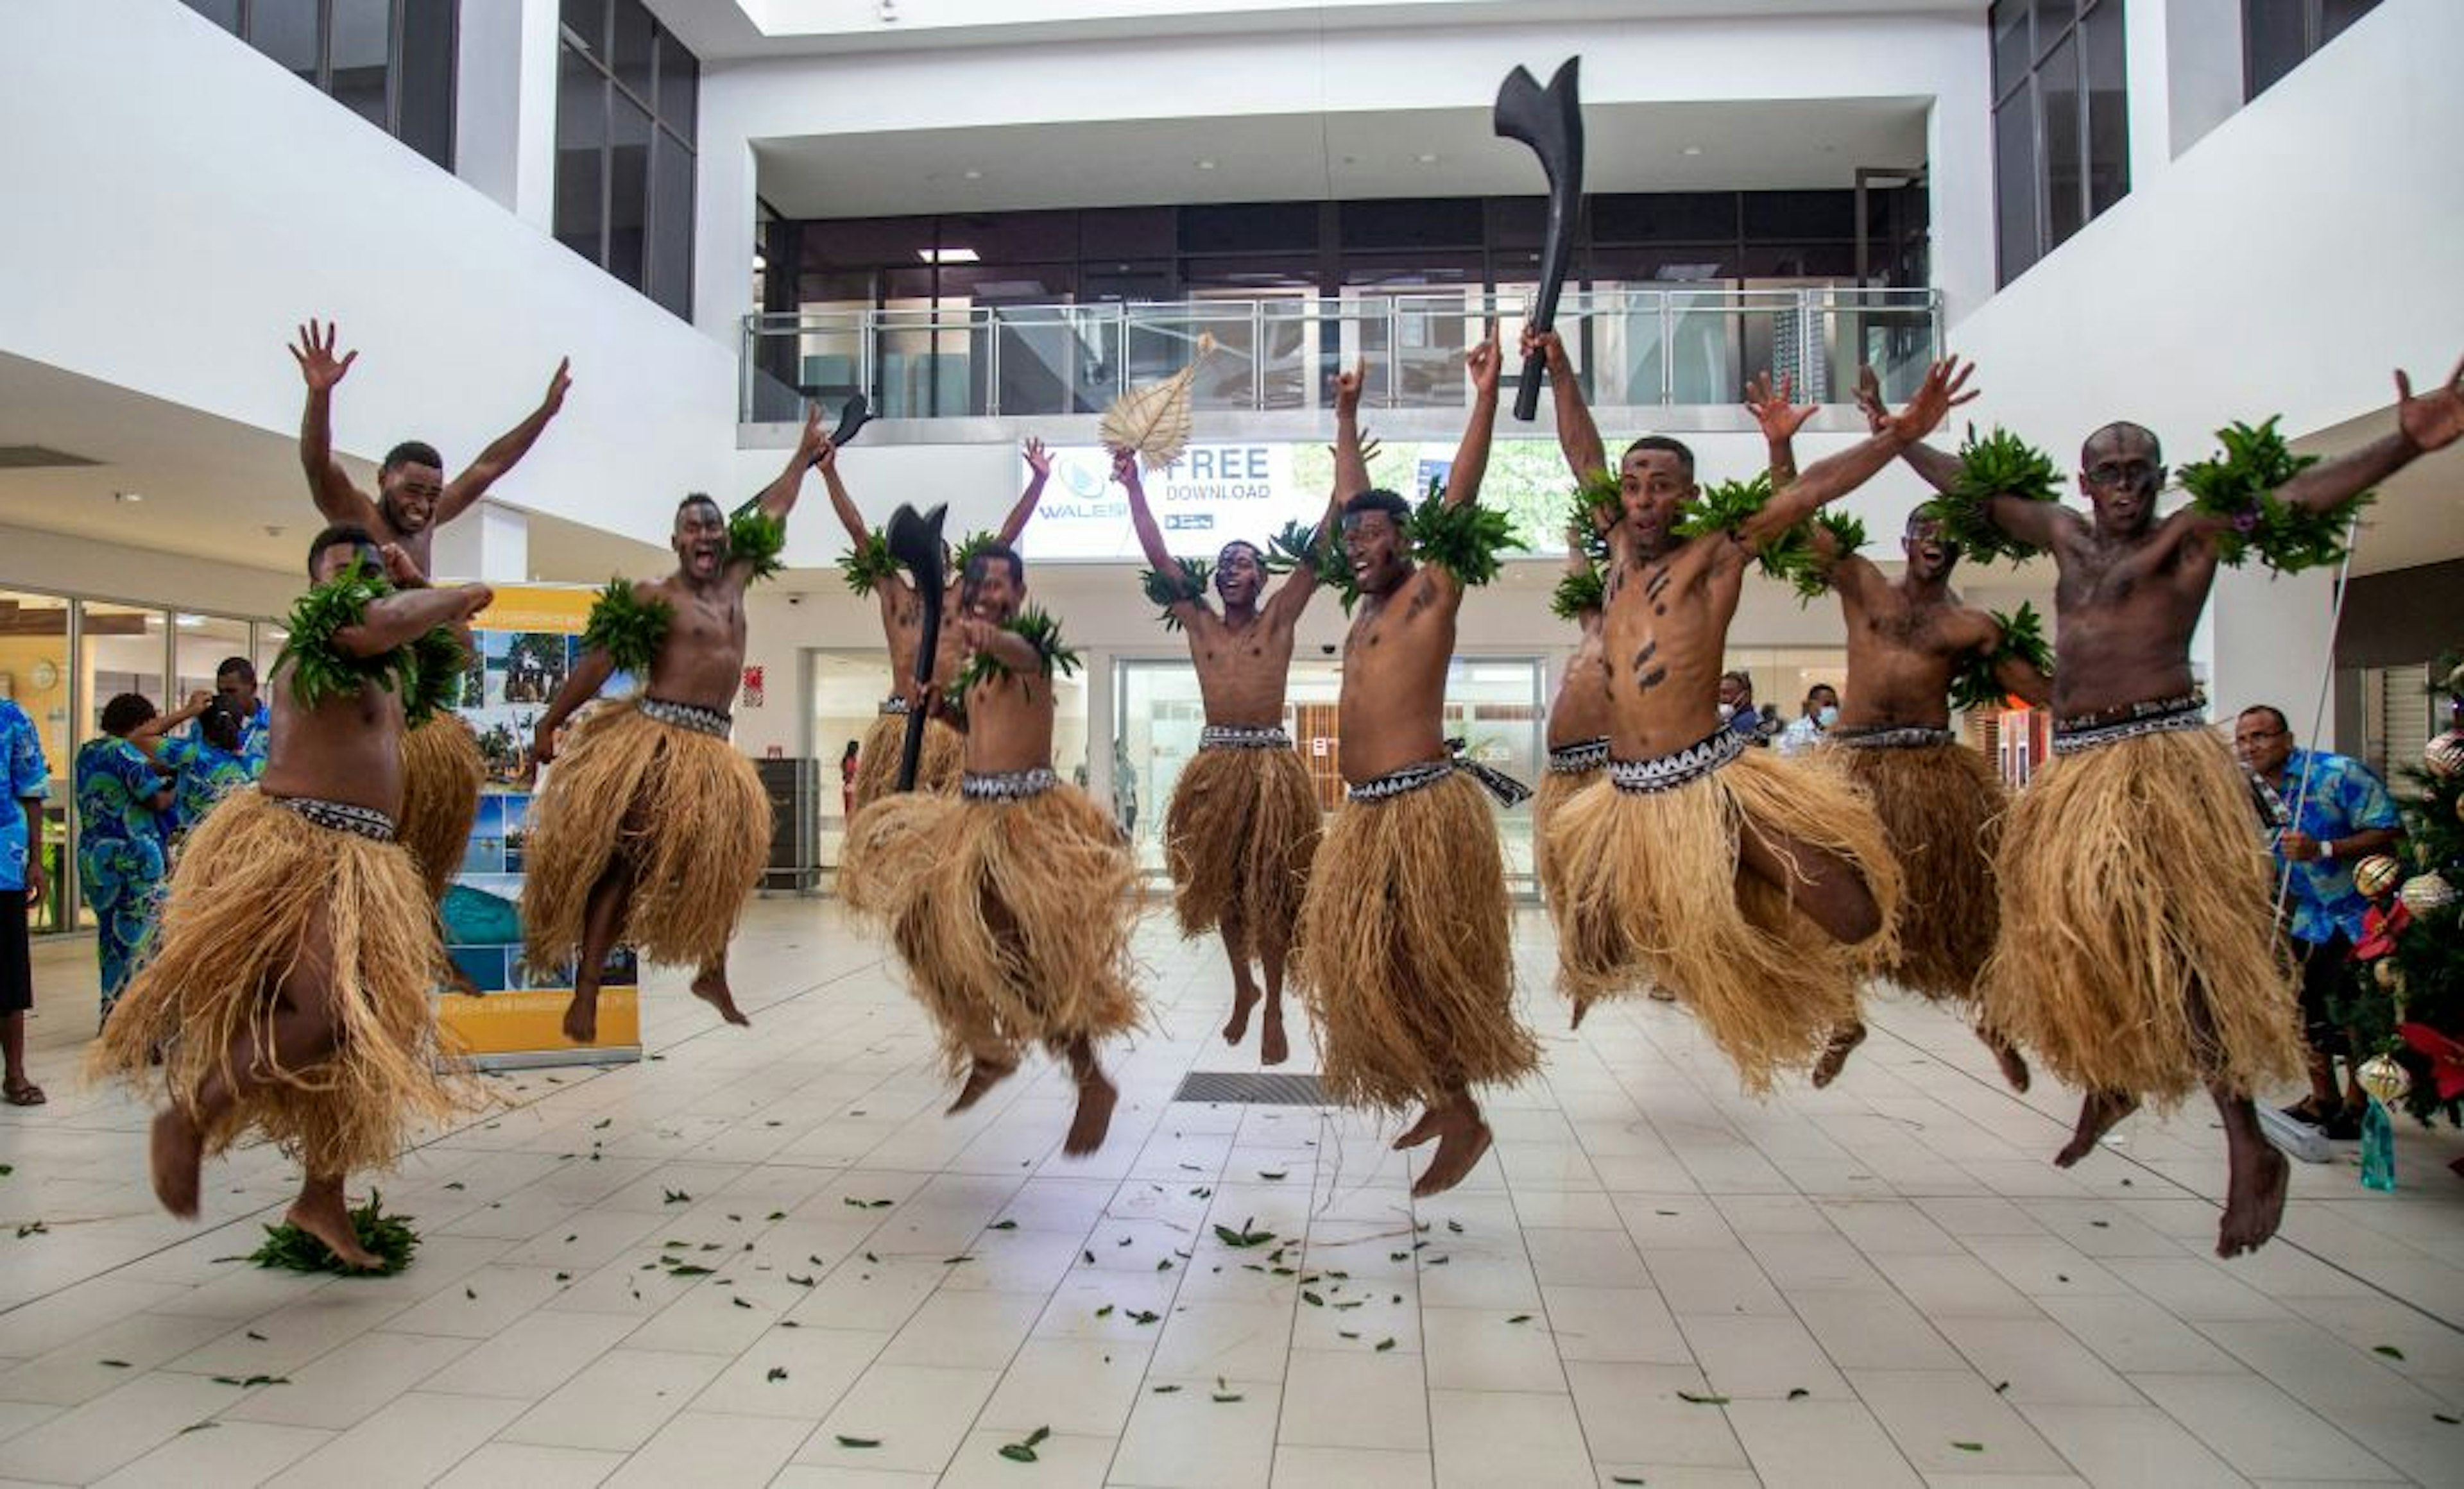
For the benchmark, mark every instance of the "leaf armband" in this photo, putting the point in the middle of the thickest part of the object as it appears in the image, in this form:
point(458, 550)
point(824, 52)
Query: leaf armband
point(628, 628)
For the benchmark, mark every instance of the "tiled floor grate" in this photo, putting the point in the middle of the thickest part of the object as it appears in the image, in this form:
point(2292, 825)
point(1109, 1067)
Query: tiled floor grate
point(1247, 1089)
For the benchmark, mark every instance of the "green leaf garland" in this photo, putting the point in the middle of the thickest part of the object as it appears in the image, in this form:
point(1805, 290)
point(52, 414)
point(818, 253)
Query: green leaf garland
point(628, 628)
point(438, 663)
point(321, 672)
point(1578, 594)
point(1795, 556)
point(2239, 486)
point(1186, 585)
point(1998, 463)
point(756, 539)
point(1974, 686)
point(1042, 632)
point(1462, 539)
point(868, 566)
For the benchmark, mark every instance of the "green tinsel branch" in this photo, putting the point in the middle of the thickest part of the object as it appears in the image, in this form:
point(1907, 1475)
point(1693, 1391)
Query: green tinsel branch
point(2239, 486)
point(757, 539)
point(1186, 585)
point(627, 627)
point(868, 566)
point(1042, 632)
point(1974, 686)
point(1999, 463)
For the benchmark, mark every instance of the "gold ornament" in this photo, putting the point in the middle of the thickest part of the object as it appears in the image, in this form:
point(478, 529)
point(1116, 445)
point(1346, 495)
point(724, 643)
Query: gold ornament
point(2445, 755)
point(2384, 1079)
point(2376, 874)
point(2427, 894)
point(2388, 974)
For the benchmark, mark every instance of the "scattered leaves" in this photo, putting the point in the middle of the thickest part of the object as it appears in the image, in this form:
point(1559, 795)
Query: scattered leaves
point(777, 1372)
point(845, 1441)
point(1024, 1452)
point(2389, 1351)
point(675, 1196)
point(1703, 1400)
point(1969, 1447)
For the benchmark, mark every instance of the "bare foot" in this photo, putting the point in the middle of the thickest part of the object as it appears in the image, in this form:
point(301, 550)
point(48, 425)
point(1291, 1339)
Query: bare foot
point(1457, 1152)
point(581, 1018)
point(981, 1079)
point(1582, 1007)
point(322, 1214)
point(2014, 1069)
point(1236, 1027)
point(1835, 1055)
point(1096, 1096)
point(2253, 1200)
point(178, 1149)
point(711, 988)
point(1273, 1047)
point(2098, 1114)
point(1432, 1122)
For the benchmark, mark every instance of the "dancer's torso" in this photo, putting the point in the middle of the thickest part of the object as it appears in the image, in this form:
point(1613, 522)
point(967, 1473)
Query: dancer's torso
point(1666, 626)
point(701, 661)
point(1391, 713)
point(1009, 724)
point(1902, 650)
point(1581, 710)
point(2123, 611)
point(348, 749)
point(1243, 672)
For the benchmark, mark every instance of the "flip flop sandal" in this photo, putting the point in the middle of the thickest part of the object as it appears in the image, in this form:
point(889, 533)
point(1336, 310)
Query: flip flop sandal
point(24, 1093)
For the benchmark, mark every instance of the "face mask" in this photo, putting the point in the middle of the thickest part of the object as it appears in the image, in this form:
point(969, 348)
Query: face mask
point(1827, 717)
point(1727, 712)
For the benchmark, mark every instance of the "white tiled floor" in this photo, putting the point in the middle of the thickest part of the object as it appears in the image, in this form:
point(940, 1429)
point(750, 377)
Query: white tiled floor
point(1652, 1281)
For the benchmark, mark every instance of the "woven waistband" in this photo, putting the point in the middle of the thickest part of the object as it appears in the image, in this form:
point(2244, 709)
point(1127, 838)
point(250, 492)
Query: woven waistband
point(359, 822)
point(1668, 771)
point(1007, 785)
point(1509, 791)
point(688, 715)
point(2132, 721)
point(1884, 736)
point(1576, 759)
point(896, 705)
point(1243, 736)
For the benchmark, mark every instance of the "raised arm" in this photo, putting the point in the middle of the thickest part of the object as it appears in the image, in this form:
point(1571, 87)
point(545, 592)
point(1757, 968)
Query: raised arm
point(1471, 456)
point(329, 484)
point(1159, 554)
point(840, 502)
point(407, 615)
point(813, 448)
point(589, 675)
point(1837, 476)
point(148, 736)
point(1937, 468)
point(1002, 644)
point(1780, 420)
point(1351, 463)
point(505, 451)
point(1576, 434)
point(2431, 420)
point(1039, 463)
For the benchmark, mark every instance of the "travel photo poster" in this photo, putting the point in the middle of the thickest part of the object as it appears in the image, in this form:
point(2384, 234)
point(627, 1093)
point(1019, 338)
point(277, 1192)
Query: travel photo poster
point(512, 1015)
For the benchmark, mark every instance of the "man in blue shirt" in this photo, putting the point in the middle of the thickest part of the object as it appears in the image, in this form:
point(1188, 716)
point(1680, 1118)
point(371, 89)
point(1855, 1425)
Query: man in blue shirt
point(2334, 813)
point(25, 782)
point(235, 684)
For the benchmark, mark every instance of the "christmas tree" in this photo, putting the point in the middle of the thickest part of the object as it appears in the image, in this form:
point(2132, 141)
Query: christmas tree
point(2409, 1001)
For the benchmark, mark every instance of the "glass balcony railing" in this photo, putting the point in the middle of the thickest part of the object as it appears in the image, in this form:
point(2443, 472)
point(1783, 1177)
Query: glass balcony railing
point(1632, 348)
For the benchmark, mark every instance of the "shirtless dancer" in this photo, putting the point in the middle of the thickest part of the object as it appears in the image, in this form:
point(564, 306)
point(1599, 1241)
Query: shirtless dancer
point(1739, 881)
point(2136, 956)
point(288, 993)
point(656, 829)
point(1403, 953)
point(1010, 903)
point(1940, 802)
point(902, 627)
point(1578, 716)
point(1243, 824)
point(443, 770)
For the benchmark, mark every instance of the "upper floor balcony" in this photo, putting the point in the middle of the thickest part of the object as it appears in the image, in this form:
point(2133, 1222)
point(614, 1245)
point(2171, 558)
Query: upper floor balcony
point(958, 374)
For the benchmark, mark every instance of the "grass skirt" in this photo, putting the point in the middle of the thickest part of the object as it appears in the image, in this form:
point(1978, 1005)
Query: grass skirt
point(876, 759)
point(441, 774)
point(2138, 951)
point(1942, 809)
point(1556, 788)
point(684, 809)
point(1013, 917)
point(1238, 837)
point(1404, 957)
point(253, 883)
point(1649, 891)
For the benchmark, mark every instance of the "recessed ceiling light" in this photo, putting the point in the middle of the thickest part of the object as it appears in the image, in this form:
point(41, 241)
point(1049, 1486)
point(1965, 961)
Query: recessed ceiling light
point(1205, 164)
point(948, 255)
point(1428, 160)
point(191, 622)
point(126, 496)
point(972, 174)
point(1693, 149)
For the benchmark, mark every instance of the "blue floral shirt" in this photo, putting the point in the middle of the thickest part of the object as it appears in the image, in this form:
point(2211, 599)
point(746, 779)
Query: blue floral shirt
point(26, 777)
point(2341, 798)
point(255, 737)
point(208, 773)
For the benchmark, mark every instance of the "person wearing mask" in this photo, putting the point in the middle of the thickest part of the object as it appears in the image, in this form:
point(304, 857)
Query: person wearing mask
point(124, 807)
point(1737, 708)
point(1805, 731)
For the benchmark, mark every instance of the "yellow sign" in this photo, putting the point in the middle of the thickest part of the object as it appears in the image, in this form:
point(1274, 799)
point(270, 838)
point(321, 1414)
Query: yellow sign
point(501, 1029)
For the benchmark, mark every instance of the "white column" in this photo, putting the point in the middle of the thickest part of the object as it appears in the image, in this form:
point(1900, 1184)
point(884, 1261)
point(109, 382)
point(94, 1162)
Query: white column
point(1099, 726)
point(489, 544)
point(504, 106)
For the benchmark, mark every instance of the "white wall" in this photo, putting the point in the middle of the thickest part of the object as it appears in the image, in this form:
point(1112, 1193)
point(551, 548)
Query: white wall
point(1311, 72)
point(57, 564)
point(178, 204)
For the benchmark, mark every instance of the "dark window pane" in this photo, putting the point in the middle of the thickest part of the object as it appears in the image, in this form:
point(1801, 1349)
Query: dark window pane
point(679, 86)
point(2014, 184)
point(580, 154)
point(671, 227)
point(1248, 227)
point(424, 78)
point(1114, 280)
point(868, 242)
point(1006, 284)
point(587, 19)
point(2058, 90)
point(2108, 108)
point(1667, 263)
point(2010, 53)
point(629, 189)
point(2052, 19)
point(1406, 272)
point(831, 291)
point(1216, 279)
point(1402, 223)
point(631, 48)
point(1799, 260)
point(224, 13)
point(1127, 231)
point(361, 45)
point(1518, 221)
point(2334, 15)
point(1665, 217)
point(1013, 238)
point(288, 32)
point(1792, 215)
point(2275, 39)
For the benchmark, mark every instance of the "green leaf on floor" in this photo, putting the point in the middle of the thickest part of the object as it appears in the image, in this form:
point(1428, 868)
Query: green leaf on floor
point(600, 1124)
point(1144, 1316)
point(1243, 1238)
point(2452, 1421)
point(2389, 1351)
point(1620, 1478)
point(197, 1427)
point(1798, 1394)
point(1003, 1225)
point(1104, 1312)
point(845, 1441)
point(1227, 1397)
point(675, 1196)
point(1385, 1345)
point(390, 1237)
point(802, 1282)
point(1165, 1391)
point(687, 1269)
point(1270, 1176)
point(1312, 1300)
point(1455, 1226)
point(116, 1365)
point(776, 1215)
point(253, 1380)
point(951, 1261)
point(777, 1372)
point(1520, 1318)
point(2001, 1387)
point(1969, 1447)
point(254, 1334)
point(1165, 1266)
point(1703, 1400)
point(869, 1204)
point(739, 1303)
point(32, 1228)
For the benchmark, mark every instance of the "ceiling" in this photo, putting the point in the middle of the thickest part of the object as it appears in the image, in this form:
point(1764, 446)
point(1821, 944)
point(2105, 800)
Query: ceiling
point(1756, 144)
point(2419, 516)
point(725, 31)
point(210, 488)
